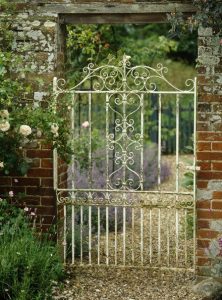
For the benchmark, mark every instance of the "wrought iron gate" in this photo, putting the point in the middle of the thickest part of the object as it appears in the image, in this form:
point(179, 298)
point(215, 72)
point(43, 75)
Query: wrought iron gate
point(117, 210)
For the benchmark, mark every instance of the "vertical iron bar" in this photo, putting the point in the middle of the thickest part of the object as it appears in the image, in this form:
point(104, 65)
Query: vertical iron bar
point(159, 141)
point(124, 235)
point(90, 138)
point(73, 178)
point(141, 235)
point(107, 141)
point(185, 236)
point(132, 246)
point(107, 235)
point(116, 215)
point(194, 177)
point(55, 155)
point(177, 171)
point(142, 141)
point(151, 240)
point(73, 234)
point(177, 235)
point(98, 258)
point(159, 235)
point(177, 142)
point(90, 235)
point(168, 237)
point(81, 234)
point(64, 233)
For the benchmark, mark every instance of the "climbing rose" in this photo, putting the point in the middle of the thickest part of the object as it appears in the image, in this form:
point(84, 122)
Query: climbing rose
point(54, 129)
point(4, 126)
point(25, 130)
point(4, 113)
point(11, 193)
point(85, 124)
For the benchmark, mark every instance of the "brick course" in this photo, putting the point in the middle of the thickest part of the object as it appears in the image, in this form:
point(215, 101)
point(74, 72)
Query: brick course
point(209, 147)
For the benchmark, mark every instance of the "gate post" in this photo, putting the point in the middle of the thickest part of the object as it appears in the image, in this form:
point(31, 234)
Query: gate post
point(209, 155)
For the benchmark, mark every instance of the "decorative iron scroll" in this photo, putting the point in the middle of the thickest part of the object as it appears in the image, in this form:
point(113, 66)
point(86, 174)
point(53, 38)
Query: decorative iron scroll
point(124, 88)
point(123, 77)
point(120, 198)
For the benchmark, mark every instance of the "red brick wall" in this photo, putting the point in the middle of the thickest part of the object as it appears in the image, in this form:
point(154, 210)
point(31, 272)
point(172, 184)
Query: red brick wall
point(209, 152)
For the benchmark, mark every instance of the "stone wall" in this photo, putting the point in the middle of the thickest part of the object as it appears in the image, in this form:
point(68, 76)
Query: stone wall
point(209, 153)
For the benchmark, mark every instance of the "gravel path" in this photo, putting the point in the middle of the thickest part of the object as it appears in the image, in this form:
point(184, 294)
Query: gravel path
point(129, 284)
point(126, 284)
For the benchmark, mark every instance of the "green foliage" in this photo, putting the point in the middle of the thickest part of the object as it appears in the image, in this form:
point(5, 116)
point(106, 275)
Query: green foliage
point(187, 180)
point(81, 146)
point(29, 266)
point(208, 14)
point(95, 42)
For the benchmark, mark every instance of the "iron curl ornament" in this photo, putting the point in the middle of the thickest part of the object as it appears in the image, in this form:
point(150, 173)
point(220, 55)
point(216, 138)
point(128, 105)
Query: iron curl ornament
point(122, 77)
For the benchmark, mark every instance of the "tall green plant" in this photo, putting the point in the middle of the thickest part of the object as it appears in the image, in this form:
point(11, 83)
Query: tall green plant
point(29, 265)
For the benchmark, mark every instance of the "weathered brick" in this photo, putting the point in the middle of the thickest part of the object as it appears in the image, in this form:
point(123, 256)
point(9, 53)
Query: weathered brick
point(47, 163)
point(209, 214)
point(202, 146)
point(40, 173)
point(26, 181)
point(39, 153)
point(209, 155)
point(206, 234)
point(204, 165)
point(216, 204)
point(40, 191)
point(217, 146)
point(217, 195)
point(203, 204)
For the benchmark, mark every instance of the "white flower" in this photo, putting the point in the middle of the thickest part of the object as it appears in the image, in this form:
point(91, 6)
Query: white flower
point(25, 130)
point(11, 193)
point(1, 164)
point(4, 113)
point(38, 133)
point(4, 126)
point(85, 124)
point(54, 129)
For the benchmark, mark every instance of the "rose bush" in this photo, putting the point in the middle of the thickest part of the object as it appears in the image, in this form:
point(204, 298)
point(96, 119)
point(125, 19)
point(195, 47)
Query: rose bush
point(22, 121)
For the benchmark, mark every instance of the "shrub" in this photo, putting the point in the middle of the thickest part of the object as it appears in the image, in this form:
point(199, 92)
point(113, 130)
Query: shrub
point(29, 265)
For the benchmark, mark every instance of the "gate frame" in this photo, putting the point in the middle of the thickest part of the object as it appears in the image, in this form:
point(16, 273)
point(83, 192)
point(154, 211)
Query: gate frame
point(126, 67)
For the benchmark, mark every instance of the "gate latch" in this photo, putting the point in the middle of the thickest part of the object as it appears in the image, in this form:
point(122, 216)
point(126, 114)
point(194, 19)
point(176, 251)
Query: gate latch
point(193, 168)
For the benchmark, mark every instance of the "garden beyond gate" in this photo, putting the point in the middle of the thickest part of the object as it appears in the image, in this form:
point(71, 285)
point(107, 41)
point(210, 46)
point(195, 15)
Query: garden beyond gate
point(117, 210)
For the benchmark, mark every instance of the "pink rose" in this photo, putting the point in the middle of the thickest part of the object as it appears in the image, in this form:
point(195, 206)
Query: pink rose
point(85, 124)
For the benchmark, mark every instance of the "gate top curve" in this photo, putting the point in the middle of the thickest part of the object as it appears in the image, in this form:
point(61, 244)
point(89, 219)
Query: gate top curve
point(122, 77)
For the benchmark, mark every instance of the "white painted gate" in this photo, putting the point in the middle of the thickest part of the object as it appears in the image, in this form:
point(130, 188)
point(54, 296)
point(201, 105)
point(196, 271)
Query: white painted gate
point(119, 208)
